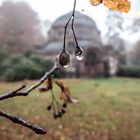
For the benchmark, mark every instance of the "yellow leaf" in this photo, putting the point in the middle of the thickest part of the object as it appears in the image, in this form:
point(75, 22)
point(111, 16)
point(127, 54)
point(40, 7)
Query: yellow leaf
point(95, 2)
point(119, 5)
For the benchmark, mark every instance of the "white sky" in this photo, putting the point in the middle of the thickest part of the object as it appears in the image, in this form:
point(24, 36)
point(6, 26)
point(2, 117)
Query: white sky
point(52, 9)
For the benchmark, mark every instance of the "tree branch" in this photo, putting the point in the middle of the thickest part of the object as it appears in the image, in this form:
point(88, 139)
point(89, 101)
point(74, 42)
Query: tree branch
point(15, 119)
point(18, 92)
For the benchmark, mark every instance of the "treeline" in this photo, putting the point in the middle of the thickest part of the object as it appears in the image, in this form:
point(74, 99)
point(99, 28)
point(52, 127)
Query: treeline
point(20, 27)
point(24, 66)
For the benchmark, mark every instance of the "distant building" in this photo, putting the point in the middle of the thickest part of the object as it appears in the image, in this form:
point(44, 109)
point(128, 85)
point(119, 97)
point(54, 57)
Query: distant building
point(88, 36)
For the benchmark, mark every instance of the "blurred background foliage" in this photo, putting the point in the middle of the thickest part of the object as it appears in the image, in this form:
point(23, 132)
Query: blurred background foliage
point(24, 66)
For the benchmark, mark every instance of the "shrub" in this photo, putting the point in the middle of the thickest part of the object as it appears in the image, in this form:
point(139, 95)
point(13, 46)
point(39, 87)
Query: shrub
point(24, 69)
point(20, 67)
point(45, 64)
point(129, 71)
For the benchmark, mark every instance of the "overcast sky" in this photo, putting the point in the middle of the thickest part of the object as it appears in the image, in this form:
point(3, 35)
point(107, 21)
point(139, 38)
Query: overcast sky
point(52, 9)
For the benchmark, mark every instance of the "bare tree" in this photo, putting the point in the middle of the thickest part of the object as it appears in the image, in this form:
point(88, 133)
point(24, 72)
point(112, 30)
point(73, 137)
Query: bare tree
point(114, 23)
point(19, 26)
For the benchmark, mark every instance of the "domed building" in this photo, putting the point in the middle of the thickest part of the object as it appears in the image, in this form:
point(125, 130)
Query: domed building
point(85, 29)
point(87, 34)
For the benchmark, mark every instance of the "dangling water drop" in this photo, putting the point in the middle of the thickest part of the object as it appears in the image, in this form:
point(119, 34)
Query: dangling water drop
point(66, 66)
point(64, 59)
point(79, 53)
point(79, 57)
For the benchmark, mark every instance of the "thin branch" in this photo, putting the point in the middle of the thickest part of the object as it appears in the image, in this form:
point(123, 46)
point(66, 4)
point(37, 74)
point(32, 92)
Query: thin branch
point(65, 31)
point(72, 25)
point(18, 92)
point(15, 119)
point(66, 26)
point(11, 94)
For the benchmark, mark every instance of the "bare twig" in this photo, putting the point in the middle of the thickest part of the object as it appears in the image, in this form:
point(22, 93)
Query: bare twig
point(18, 92)
point(11, 94)
point(72, 17)
point(15, 119)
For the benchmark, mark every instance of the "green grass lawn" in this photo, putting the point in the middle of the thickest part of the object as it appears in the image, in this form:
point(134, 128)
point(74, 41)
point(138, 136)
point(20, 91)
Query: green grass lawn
point(109, 110)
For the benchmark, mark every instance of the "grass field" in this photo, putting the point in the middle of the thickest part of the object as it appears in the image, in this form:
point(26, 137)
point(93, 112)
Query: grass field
point(109, 110)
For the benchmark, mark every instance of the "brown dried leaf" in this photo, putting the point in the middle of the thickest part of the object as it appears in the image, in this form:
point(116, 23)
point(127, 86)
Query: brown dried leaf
point(60, 84)
point(43, 89)
point(65, 95)
point(119, 5)
point(49, 85)
point(95, 2)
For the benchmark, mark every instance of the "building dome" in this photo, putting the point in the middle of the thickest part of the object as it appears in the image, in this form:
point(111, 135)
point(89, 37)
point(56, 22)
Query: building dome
point(85, 28)
point(80, 19)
